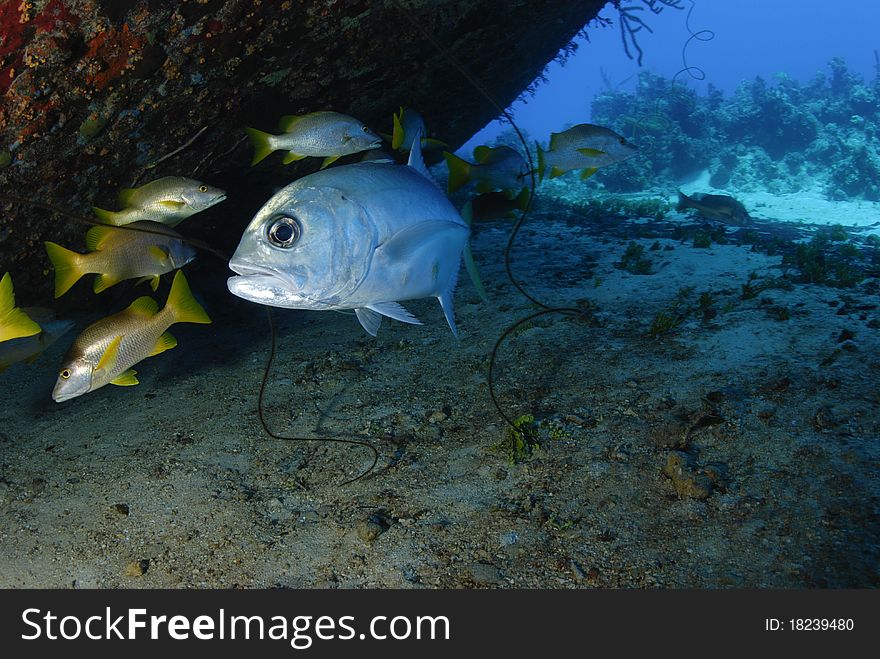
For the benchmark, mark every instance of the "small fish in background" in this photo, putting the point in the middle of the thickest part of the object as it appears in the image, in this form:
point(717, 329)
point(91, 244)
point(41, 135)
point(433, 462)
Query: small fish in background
point(116, 254)
point(363, 236)
point(29, 348)
point(498, 205)
point(105, 351)
point(14, 323)
point(168, 200)
point(498, 168)
point(586, 147)
point(721, 207)
point(328, 135)
point(408, 123)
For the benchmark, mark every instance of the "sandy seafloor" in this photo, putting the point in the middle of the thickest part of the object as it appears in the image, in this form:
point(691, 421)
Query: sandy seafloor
point(770, 418)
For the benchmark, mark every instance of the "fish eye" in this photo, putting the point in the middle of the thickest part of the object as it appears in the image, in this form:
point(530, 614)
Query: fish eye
point(365, 129)
point(65, 374)
point(203, 188)
point(623, 140)
point(284, 232)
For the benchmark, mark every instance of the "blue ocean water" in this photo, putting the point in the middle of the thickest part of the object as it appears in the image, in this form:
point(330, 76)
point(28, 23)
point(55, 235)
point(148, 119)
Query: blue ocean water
point(702, 412)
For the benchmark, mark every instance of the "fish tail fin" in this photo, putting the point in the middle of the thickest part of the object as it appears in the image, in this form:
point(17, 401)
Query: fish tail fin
point(68, 267)
point(108, 217)
point(682, 201)
point(459, 171)
point(541, 163)
point(262, 143)
point(14, 322)
point(182, 304)
point(522, 199)
point(469, 263)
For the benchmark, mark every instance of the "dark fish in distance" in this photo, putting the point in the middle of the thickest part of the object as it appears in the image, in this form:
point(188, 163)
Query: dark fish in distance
point(498, 205)
point(721, 207)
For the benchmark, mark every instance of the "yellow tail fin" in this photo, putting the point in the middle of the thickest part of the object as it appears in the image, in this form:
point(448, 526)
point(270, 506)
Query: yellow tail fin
point(107, 217)
point(14, 323)
point(261, 144)
point(459, 171)
point(182, 305)
point(68, 267)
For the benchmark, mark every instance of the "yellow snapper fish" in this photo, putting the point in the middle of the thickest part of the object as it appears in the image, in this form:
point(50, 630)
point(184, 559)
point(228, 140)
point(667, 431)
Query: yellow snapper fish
point(498, 168)
point(14, 323)
point(406, 124)
point(586, 147)
point(106, 350)
point(363, 236)
point(168, 200)
point(328, 135)
point(116, 254)
point(28, 348)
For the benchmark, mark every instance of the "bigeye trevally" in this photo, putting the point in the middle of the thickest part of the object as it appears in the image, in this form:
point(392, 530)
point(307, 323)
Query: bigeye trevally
point(106, 350)
point(328, 135)
point(14, 323)
point(120, 253)
point(586, 147)
point(168, 200)
point(364, 236)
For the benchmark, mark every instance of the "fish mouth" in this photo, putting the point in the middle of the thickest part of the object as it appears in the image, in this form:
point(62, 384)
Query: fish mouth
point(376, 144)
point(61, 397)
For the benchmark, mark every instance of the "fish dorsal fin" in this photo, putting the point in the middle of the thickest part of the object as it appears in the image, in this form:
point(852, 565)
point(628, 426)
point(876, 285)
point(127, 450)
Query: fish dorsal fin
point(126, 379)
point(108, 359)
point(556, 171)
point(445, 299)
point(288, 121)
point(369, 320)
point(415, 157)
point(144, 306)
point(394, 310)
point(554, 137)
point(405, 242)
point(125, 195)
point(481, 153)
point(96, 237)
point(160, 255)
point(397, 135)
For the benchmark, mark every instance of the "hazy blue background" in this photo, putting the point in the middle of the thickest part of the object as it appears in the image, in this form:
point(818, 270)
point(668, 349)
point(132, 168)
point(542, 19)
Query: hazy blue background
point(752, 37)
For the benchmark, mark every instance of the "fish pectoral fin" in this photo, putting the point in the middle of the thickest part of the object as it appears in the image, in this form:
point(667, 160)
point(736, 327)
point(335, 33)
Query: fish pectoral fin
point(329, 160)
point(369, 320)
point(171, 205)
point(160, 255)
point(291, 157)
point(126, 379)
point(588, 172)
point(165, 342)
point(103, 282)
point(445, 299)
point(108, 359)
point(406, 241)
point(394, 310)
point(592, 153)
point(556, 171)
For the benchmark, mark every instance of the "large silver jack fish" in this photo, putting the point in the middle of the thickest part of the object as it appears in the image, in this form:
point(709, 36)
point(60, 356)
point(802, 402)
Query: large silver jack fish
point(364, 236)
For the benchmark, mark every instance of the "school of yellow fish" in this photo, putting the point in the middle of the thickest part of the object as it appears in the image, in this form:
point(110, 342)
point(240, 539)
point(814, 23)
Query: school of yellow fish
point(139, 242)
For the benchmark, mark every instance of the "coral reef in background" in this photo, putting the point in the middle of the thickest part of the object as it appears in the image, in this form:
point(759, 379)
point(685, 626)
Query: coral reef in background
point(781, 136)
